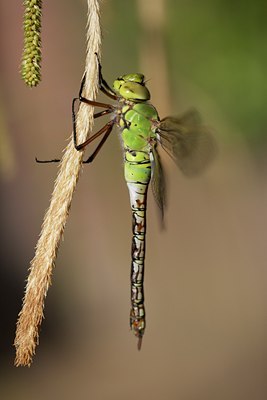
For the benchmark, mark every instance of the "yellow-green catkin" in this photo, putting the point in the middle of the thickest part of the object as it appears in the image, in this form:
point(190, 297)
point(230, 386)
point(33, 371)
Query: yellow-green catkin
point(31, 58)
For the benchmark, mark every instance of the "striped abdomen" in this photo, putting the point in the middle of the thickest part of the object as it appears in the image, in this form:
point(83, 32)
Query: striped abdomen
point(137, 174)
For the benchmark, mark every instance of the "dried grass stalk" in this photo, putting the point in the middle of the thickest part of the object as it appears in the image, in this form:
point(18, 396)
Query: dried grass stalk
point(39, 279)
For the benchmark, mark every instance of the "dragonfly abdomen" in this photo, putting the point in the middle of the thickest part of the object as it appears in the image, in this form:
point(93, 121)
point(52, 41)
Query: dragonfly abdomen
point(138, 195)
point(138, 199)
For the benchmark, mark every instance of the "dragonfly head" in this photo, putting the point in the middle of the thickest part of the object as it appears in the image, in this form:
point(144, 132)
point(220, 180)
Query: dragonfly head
point(132, 87)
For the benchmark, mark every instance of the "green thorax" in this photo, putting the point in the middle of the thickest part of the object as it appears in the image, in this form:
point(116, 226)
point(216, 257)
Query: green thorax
point(138, 126)
point(139, 137)
point(135, 116)
point(138, 122)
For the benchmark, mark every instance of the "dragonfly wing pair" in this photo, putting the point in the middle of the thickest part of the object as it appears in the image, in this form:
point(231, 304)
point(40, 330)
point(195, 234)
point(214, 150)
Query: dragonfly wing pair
point(188, 142)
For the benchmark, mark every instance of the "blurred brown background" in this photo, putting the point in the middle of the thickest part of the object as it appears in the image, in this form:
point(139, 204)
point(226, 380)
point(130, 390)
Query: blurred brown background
point(206, 286)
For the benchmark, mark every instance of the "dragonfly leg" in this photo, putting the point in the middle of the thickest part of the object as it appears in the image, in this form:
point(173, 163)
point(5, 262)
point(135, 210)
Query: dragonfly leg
point(97, 115)
point(108, 127)
point(47, 161)
point(109, 109)
point(91, 138)
point(101, 113)
point(103, 85)
point(107, 90)
point(106, 130)
point(93, 103)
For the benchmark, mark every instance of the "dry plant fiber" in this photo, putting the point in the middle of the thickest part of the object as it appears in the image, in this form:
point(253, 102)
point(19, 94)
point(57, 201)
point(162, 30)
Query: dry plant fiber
point(39, 279)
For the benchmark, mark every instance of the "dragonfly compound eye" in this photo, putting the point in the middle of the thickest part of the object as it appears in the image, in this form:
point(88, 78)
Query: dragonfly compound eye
point(138, 78)
point(132, 87)
point(134, 91)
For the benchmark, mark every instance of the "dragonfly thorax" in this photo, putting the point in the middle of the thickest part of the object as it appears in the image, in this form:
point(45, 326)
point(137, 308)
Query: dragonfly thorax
point(132, 87)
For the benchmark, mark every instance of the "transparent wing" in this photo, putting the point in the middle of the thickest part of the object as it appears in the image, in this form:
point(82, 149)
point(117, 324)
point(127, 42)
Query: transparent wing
point(189, 143)
point(158, 182)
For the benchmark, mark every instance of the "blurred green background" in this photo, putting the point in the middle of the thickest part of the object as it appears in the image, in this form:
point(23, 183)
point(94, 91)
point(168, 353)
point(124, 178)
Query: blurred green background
point(205, 277)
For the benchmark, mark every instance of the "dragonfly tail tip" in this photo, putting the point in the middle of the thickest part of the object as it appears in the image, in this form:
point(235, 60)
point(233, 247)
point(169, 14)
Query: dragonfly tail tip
point(139, 343)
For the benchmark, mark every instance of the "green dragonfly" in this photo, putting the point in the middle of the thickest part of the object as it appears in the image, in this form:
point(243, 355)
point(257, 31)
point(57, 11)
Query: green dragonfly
point(184, 138)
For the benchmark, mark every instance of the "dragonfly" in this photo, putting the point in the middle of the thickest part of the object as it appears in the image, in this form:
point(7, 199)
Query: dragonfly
point(186, 140)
